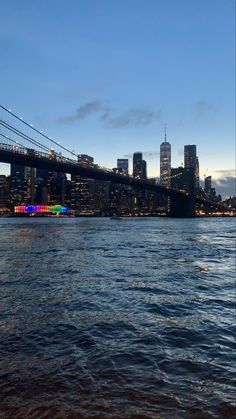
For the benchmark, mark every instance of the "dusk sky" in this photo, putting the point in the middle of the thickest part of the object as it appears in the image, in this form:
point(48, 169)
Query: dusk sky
point(104, 76)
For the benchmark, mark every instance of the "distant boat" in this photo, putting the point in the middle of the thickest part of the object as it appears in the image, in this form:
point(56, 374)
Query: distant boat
point(115, 217)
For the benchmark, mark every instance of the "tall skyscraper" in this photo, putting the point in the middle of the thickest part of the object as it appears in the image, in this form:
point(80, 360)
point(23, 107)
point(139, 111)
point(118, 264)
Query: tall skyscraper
point(137, 165)
point(190, 156)
point(191, 161)
point(165, 162)
point(123, 164)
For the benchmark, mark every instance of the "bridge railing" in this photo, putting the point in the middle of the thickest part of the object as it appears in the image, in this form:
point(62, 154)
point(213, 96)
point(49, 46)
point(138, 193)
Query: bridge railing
point(27, 151)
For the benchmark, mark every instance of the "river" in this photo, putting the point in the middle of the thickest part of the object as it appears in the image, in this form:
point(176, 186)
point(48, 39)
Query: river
point(131, 318)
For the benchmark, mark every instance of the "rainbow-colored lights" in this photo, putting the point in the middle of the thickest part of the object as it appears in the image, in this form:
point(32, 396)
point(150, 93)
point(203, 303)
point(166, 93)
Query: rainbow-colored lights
point(41, 209)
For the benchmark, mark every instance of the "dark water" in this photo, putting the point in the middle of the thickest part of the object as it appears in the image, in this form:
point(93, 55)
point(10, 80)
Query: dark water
point(103, 318)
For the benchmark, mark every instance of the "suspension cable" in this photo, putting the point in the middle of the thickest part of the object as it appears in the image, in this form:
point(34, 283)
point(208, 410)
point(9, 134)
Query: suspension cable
point(39, 132)
point(13, 141)
point(24, 136)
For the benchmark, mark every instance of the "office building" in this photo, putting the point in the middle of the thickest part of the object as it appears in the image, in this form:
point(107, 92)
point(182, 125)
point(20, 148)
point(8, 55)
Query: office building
point(144, 169)
point(165, 162)
point(123, 164)
point(207, 185)
point(83, 189)
point(41, 186)
point(138, 165)
point(191, 160)
point(190, 156)
point(18, 185)
point(4, 192)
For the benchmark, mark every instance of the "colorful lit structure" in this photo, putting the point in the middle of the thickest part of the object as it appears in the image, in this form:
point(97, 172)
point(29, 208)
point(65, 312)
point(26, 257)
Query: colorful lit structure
point(41, 209)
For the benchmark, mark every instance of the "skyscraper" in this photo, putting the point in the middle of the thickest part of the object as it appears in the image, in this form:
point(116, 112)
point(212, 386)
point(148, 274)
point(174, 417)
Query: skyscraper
point(144, 169)
point(137, 165)
point(18, 185)
point(82, 189)
point(165, 162)
point(190, 156)
point(207, 186)
point(191, 161)
point(4, 192)
point(123, 164)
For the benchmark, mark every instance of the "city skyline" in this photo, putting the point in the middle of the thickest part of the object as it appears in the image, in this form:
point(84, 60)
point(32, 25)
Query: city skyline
point(106, 83)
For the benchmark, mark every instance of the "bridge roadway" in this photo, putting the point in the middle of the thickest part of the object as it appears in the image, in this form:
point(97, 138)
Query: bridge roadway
point(182, 204)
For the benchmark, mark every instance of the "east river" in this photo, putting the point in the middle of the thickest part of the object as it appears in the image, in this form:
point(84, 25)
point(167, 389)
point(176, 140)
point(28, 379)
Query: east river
point(131, 318)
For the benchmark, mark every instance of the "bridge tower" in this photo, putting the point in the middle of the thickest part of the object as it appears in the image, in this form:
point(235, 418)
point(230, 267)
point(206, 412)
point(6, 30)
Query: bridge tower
point(182, 206)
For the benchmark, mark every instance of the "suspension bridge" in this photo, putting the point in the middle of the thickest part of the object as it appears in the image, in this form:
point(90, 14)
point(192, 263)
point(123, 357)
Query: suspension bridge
point(23, 144)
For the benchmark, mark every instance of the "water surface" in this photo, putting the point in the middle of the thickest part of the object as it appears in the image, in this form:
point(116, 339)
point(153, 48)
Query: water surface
point(104, 318)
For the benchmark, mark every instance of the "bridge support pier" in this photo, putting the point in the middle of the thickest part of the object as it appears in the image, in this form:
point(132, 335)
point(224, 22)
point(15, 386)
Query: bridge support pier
point(182, 206)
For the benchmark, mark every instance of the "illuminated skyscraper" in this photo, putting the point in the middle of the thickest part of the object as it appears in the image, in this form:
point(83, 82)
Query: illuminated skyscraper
point(82, 189)
point(18, 185)
point(165, 162)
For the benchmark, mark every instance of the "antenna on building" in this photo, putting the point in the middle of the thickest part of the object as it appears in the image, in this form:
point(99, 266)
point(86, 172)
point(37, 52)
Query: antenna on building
point(165, 132)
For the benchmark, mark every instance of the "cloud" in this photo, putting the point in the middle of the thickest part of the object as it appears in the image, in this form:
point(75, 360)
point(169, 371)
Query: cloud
point(109, 118)
point(146, 155)
point(83, 112)
point(201, 109)
point(132, 117)
point(225, 186)
point(225, 173)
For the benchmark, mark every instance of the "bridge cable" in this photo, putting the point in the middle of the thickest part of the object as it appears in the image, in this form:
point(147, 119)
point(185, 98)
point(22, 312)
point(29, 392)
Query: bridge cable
point(36, 130)
point(13, 141)
point(22, 135)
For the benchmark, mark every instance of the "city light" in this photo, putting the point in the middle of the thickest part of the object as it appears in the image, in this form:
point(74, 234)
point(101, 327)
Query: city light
point(41, 209)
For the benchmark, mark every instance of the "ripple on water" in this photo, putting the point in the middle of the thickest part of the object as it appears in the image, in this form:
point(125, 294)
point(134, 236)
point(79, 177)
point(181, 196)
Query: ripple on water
point(117, 320)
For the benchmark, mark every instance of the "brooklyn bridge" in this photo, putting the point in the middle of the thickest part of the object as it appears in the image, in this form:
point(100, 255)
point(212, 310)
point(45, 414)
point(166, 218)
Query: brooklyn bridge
point(23, 144)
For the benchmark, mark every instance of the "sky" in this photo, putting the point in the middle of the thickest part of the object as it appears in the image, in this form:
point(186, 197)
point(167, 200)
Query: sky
point(105, 76)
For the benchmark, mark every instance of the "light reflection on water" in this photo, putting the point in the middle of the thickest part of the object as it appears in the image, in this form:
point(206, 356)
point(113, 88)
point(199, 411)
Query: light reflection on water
point(117, 319)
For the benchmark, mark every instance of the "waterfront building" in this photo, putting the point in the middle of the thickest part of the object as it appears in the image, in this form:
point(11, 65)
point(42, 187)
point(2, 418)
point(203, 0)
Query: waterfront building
point(101, 196)
point(4, 192)
point(56, 188)
point(82, 189)
point(165, 162)
point(139, 172)
point(18, 185)
point(41, 185)
point(121, 196)
point(31, 184)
